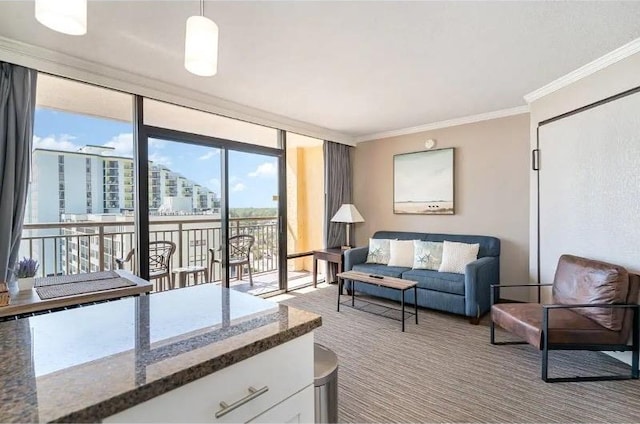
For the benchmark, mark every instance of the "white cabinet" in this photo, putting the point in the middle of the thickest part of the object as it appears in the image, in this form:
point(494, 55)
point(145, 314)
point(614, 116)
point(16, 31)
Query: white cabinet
point(291, 410)
point(281, 380)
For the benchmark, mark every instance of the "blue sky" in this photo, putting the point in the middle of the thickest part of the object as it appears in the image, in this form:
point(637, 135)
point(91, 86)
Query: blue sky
point(253, 178)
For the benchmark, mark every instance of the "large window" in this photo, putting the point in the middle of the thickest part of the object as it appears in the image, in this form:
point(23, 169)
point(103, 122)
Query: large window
point(79, 207)
point(208, 178)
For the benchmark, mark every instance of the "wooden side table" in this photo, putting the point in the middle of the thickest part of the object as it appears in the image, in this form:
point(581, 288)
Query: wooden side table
point(331, 255)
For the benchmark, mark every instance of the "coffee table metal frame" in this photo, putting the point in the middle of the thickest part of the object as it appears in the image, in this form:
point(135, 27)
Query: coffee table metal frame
point(381, 284)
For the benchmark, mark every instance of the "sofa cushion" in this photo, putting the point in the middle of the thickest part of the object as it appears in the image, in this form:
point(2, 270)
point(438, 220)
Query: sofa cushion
point(427, 255)
point(445, 282)
point(580, 281)
point(489, 246)
point(401, 253)
point(387, 271)
point(456, 256)
point(378, 251)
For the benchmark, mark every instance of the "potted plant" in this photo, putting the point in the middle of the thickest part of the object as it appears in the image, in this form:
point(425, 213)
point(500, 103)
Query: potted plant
point(25, 271)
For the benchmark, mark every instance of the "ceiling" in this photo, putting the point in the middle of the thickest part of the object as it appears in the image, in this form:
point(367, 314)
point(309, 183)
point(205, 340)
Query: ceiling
point(357, 68)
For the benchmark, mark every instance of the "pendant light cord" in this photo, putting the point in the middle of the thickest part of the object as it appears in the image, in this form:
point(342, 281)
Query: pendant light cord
point(201, 7)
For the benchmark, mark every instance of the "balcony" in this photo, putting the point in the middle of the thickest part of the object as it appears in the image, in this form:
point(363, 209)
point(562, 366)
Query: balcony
point(55, 246)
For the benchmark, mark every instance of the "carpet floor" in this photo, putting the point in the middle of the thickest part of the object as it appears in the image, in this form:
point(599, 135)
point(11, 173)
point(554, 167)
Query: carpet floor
point(445, 370)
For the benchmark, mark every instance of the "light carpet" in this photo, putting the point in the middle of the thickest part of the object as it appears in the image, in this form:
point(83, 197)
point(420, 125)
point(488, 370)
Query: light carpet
point(445, 370)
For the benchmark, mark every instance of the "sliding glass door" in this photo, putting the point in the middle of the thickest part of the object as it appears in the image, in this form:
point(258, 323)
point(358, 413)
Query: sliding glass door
point(253, 187)
point(185, 223)
point(213, 213)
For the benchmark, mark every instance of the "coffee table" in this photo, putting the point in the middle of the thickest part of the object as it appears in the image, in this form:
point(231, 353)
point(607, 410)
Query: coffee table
point(381, 281)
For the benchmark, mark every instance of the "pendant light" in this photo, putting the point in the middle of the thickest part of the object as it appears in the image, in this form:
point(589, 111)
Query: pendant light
point(201, 45)
point(65, 16)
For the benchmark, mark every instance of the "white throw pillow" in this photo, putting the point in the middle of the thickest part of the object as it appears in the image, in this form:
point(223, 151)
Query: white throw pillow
point(401, 253)
point(427, 254)
point(456, 256)
point(378, 251)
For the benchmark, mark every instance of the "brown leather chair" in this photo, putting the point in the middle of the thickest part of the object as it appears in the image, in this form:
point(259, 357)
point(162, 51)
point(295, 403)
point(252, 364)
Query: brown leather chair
point(594, 308)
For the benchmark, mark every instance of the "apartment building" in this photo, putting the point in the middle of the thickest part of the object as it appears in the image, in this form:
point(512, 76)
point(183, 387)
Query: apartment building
point(95, 185)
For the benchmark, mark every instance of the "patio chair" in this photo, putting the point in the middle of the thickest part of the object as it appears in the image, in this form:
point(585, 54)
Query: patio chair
point(160, 253)
point(239, 255)
point(594, 307)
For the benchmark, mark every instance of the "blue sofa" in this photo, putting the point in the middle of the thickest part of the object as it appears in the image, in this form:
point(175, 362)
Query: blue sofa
point(465, 294)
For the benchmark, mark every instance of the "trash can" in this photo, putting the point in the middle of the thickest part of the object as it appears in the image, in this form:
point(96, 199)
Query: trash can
point(326, 384)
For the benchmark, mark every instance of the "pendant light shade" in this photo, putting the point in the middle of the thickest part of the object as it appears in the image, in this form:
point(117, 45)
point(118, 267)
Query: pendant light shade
point(65, 16)
point(201, 46)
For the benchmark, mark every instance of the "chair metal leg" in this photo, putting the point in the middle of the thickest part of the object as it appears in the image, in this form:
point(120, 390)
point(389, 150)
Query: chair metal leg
point(636, 344)
point(492, 332)
point(250, 276)
point(545, 345)
point(545, 364)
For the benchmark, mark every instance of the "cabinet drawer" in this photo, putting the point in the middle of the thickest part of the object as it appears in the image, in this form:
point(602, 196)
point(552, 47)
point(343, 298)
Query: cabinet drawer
point(283, 370)
point(299, 408)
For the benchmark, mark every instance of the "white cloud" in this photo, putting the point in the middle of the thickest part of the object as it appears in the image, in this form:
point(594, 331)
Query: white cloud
point(209, 155)
point(154, 143)
point(53, 142)
point(266, 169)
point(122, 145)
point(238, 187)
point(159, 159)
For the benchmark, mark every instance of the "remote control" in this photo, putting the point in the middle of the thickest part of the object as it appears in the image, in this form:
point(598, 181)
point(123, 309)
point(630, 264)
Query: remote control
point(376, 276)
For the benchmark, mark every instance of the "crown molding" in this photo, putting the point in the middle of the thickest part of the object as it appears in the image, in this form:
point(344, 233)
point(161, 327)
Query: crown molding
point(608, 59)
point(445, 124)
point(48, 61)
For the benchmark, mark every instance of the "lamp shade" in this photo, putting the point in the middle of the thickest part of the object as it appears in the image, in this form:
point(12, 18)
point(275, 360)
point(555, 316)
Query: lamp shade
point(347, 213)
point(67, 17)
point(201, 46)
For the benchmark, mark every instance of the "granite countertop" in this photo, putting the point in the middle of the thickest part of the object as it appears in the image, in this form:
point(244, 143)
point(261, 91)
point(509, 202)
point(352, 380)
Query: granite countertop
point(88, 363)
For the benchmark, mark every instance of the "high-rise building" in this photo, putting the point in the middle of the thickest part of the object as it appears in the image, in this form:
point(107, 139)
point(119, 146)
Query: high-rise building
point(95, 182)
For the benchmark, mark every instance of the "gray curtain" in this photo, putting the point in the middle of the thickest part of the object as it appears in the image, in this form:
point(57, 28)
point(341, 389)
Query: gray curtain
point(17, 105)
point(337, 171)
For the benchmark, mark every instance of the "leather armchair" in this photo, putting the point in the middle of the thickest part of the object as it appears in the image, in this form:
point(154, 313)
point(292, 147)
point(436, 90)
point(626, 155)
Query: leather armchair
point(594, 308)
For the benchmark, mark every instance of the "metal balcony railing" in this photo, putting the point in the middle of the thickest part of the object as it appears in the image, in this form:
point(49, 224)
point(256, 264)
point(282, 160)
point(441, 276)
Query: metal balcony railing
point(69, 247)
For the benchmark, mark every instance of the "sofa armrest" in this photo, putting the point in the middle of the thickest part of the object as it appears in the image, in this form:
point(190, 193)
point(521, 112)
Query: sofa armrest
point(478, 277)
point(357, 255)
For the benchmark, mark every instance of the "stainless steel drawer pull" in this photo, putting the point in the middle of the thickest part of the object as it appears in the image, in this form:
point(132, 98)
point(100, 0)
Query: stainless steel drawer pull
point(253, 393)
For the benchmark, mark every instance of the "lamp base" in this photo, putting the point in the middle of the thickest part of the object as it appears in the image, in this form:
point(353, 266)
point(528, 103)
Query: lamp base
point(346, 247)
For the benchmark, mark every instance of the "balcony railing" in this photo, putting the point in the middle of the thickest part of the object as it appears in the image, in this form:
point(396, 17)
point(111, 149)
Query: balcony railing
point(77, 247)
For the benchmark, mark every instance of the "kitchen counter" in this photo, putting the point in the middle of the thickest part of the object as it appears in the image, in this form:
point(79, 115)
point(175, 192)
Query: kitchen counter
point(28, 301)
point(89, 363)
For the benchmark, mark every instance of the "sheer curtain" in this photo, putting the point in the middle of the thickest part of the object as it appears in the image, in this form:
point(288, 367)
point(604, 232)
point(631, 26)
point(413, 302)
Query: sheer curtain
point(337, 171)
point(17, 105)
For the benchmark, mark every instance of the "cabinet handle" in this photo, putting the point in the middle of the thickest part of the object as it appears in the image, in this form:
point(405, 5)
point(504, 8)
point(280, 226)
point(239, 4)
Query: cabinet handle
point(253, 393)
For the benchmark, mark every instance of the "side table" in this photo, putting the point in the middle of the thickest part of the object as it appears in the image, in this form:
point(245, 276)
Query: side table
point(180, 274)
point(331, 255)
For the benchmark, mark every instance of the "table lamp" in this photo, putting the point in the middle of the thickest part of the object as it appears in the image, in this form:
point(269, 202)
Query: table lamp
point(349, 215)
